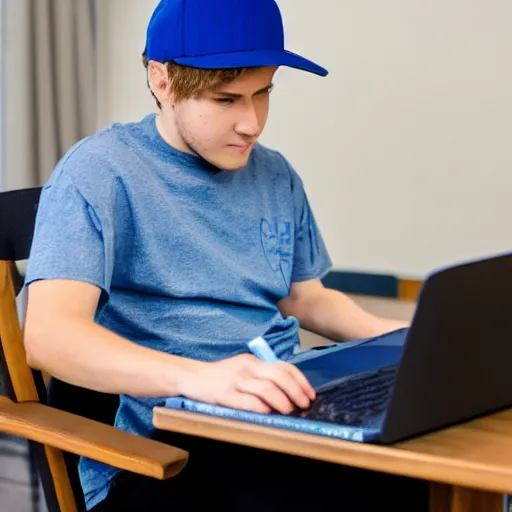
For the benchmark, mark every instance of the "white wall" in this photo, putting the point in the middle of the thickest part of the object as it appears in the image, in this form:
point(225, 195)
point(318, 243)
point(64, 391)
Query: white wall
point(404, 148)
point(123, 93)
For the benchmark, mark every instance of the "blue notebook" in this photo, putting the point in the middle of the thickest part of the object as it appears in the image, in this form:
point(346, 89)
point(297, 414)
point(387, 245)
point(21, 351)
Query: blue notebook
point(321, 366)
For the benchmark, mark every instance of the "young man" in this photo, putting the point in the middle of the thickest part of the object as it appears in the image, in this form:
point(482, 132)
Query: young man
point(163, 246)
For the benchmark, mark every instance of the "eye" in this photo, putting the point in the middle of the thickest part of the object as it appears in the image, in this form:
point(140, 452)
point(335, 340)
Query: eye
point(225, 101)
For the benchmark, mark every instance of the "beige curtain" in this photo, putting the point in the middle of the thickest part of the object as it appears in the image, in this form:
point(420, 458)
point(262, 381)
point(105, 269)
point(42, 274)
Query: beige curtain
point(49, 85)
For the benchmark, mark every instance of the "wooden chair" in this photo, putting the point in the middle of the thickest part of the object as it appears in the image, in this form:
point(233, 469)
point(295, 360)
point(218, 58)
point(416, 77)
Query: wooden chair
point(61, 421)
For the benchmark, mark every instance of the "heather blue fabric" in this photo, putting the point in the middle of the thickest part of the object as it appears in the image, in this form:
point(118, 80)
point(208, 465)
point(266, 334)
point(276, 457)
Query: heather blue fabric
point(190, 260)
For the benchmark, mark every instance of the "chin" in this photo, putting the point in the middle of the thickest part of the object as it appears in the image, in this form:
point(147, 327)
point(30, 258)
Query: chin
point(230, 163)
point(233, 168)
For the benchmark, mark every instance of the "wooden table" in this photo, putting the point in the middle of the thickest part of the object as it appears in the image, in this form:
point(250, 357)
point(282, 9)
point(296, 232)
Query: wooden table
point(469, 465)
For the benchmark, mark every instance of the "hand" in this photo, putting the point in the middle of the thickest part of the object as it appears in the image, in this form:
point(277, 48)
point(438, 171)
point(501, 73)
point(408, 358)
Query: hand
point(245, 382)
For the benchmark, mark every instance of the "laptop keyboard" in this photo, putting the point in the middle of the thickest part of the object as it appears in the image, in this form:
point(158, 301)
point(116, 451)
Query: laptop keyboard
point(353, 400)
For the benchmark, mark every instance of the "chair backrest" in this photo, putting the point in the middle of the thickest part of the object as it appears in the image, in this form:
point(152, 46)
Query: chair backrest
point(58, 470)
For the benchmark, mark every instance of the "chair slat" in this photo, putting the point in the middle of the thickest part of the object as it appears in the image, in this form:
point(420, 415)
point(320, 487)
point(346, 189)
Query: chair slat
point(22, 380)
point(12, 338)
point(61, 485)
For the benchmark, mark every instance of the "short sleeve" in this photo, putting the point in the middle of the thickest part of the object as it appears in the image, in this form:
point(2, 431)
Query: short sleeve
point(72, 239)
point(311, 259)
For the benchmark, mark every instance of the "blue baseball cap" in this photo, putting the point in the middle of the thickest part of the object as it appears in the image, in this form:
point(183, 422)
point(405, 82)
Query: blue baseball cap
point(221, 34)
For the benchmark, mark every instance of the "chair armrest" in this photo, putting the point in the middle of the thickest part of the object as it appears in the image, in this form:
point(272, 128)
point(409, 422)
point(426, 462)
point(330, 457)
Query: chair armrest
point(92, 439)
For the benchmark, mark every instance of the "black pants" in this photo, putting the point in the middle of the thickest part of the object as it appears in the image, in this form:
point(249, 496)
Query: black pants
point(234, 478)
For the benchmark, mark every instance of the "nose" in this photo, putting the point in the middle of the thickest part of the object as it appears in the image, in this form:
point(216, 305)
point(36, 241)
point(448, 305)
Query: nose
point(248, 126)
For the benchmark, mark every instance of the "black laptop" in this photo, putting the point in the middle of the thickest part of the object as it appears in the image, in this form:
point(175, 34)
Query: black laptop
point(451, 365)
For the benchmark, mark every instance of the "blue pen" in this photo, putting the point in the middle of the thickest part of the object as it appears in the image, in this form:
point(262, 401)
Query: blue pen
point(261, 349)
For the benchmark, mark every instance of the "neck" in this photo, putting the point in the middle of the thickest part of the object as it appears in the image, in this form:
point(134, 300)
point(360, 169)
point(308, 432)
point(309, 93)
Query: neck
point(169, 132)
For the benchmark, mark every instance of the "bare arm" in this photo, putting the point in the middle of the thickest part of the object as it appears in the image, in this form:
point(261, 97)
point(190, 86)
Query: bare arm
point(333, 314)
point(62, 339)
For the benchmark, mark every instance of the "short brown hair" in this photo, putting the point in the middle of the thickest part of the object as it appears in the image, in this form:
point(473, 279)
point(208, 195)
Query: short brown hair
point(187, 82)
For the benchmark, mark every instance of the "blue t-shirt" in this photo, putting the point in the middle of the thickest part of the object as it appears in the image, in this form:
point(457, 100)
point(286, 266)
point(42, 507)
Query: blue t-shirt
point(191, 260)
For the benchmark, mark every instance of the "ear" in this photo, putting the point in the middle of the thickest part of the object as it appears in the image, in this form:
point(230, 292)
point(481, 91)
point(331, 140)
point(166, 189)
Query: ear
point(159, 83)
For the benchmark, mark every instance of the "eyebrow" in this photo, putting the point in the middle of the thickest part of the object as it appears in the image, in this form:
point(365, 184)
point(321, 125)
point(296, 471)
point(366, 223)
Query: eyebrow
point(238, 96)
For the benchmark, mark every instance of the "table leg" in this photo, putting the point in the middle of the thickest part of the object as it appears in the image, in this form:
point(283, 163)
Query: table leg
point(440, 497)
point(447, 498)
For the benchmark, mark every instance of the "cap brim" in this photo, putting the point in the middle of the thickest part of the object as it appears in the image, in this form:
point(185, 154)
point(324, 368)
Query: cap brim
point(258, 58)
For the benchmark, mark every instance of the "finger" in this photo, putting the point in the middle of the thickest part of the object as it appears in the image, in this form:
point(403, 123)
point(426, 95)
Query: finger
point(267, 391)
point(278, 374)
point(248, 402)
point(301, 379)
